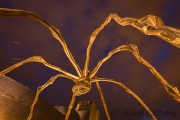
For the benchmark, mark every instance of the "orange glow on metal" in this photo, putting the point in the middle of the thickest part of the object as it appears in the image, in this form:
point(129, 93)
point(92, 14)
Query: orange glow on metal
point(149, 25)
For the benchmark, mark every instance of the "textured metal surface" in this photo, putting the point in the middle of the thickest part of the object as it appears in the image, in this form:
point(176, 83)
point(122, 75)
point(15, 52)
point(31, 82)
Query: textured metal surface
point(16, 99)
point(87, 110)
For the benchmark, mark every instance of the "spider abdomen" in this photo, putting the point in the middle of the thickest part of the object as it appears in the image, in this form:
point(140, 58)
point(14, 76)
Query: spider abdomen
point(81, 87)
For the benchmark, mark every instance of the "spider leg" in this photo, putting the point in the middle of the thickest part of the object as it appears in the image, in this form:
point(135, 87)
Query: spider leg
point(149, 25)
point(41, 88)
point(71, 104)
point(103, 100)
point(171, 90)
point(91, 41)
point(36, 59)
point(152, 25)
point(127, 90)
point(4, 12)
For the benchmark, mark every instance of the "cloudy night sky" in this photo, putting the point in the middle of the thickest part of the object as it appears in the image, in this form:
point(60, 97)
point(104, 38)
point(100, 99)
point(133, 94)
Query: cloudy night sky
point(21, 38)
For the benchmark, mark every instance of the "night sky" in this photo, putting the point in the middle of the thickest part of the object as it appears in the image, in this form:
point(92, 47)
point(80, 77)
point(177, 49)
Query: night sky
point(21, 38)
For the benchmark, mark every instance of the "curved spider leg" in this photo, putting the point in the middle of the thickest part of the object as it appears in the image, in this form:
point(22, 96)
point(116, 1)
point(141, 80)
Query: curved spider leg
point(149, 25)
point(119, 20)
point(152, 25)
point(171, 90)
point(71, 104)
point(91, 41)
point(103, 100)
point(127, 90)
point(155, 26)
point(4, 12)
point(36, 59)
point(41, 88)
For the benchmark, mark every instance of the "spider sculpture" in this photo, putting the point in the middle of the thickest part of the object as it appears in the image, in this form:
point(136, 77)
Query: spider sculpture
point(150, 25)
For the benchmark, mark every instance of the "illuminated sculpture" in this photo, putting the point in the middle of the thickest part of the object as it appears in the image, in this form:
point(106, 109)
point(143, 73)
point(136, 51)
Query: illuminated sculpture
point(150, 25)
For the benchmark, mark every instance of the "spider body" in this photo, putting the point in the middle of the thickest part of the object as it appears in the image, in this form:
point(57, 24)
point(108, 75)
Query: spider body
point(82, 86)
point(150, 25)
